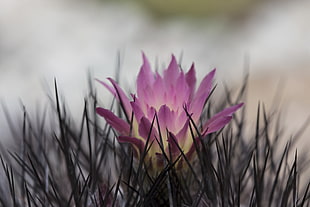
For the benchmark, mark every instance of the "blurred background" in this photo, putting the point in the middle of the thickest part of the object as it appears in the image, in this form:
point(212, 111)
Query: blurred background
point(64, 39)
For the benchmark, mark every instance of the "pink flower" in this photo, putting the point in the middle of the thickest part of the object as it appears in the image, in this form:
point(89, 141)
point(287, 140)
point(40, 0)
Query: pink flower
point(162, 110)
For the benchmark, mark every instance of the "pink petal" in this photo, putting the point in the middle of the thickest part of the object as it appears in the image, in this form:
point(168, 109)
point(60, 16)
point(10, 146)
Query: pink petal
point(123, 99)
point(111, 89)
point(145, 78)
point(141, 103)
point(166, 118)
point(182, 134)
point(182, 116)
point(201, 95)
point(173, 144)
point(216, 124)
point(145, 126)
point(220, 119)
point(226, 112)
point(159, 88)
point(150, 112)
point(182, 90)
point(137, 111)
point(118, 124)
point(191, 79)
point(132, 140)
point(172, 72)
point(119, 94)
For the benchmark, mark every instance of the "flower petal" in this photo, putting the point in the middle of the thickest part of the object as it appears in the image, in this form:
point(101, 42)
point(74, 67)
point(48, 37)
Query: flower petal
point(201, 95)
point(111, 89)
point(150, 112)
point(137, 111)
point(123, 99)
point(182, 135)
point(190, 77)
point(226, 112)
point(159, 89)
point(145, 79)
point(172, 72)
point(118, 124)
point(145, 127)
point(182, 90)
point(132, 140)
point(219, 120)
point(173, 144)
point(166, 118)
point(216, 124)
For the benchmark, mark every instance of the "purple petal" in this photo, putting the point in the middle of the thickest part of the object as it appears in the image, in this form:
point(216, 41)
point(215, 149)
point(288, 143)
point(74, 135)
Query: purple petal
point(219, 120)
point(132, 140)
point(182, 134)
point(118, 124)
point(119, 94)
point(191, 79)
point(216, 124)
point(166, 118)
point(159, 88)
point(145, 78)
point(226, 112)
point(123, 99)
point(172, 72)
point(201, 95)
point(111, 89)
point(164, 115)
point(182, 116)
point(182, 90)
point(145, 126)
point(173, 144)
point(150, 112)
point(137, 110)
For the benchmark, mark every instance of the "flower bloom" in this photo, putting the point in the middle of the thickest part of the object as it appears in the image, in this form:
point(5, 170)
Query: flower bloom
point(163, 111)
